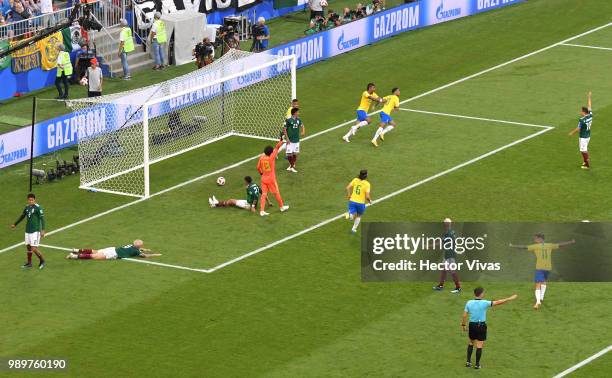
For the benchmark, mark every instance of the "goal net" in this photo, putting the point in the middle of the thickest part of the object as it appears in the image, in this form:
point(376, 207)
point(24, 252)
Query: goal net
point(121, 135)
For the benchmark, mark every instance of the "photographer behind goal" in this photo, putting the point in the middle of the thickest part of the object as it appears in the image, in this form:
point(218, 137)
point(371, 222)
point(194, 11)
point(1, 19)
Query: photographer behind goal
point(204, 53)
point(261, 35)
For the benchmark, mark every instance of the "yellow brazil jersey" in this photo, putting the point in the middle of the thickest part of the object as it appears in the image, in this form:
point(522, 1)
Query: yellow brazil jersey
point(392, 103)
point(360, 188)
point(365, 102)
point(543, 254)
point(288, 114)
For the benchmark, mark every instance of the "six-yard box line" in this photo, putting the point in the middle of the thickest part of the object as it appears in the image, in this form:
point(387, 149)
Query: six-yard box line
point(545, 129)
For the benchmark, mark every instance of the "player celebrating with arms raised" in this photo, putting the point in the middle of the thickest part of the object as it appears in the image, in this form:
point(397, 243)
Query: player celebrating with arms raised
point(113, 253)
point(543, 253)
point(358, 192)
point(266, 166)
point(253, 192)
point(368, 97)
point(35, 230)
point(386, 122)
point(584, 127)
point(294, 129)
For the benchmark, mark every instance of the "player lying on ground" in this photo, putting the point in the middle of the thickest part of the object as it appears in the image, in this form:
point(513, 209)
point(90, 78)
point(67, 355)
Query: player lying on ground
point(584, 127)
point(543, 253)
point(34, 231)
point(294, 104)
point(294, 129)
point(358, 192)
point(266, 166)
point(386, 122)
point(113, 253)
point(253, 192)
point(448, 245)
point(368, 98)
point(477, 310)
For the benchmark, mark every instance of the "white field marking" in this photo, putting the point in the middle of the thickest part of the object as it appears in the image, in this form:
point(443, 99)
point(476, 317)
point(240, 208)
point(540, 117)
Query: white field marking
point(475, 118)
point(383, 198)
point(587, 46)
point(135, 260)
point(582, 363)
point(320, 132)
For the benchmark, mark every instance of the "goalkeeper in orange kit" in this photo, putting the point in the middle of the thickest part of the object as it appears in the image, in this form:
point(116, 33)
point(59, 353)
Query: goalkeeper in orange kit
point(267, 170)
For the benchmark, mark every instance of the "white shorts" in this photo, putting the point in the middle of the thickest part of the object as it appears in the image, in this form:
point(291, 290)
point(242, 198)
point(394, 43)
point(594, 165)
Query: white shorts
point(584, 144)
point(243, 204)
point(293, 148)
point(32, 239)
point(110, 253)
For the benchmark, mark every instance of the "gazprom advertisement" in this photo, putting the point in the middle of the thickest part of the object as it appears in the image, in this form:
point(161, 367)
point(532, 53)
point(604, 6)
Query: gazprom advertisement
point(62, 132)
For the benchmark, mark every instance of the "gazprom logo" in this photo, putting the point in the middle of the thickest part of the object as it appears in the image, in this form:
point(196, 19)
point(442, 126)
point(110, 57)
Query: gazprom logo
point(11, 155)
point(344, 45)
point(442, 13)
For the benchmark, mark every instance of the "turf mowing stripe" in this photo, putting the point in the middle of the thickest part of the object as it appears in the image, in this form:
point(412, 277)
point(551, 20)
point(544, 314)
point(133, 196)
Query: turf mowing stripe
point(320, 133)
point(476, 118)
point(587, 46)
point(582, 363)
point(383, 198)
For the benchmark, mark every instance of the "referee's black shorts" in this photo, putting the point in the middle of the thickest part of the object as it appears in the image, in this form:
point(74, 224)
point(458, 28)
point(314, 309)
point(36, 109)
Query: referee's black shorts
point(478, 331)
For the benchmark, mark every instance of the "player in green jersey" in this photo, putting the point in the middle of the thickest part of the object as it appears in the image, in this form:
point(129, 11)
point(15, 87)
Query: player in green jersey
point(253, 192)
point(584, 129)
point(295, 103)
point(447, 244)
point(294, 129)
point(35, 230)
point(113, 253)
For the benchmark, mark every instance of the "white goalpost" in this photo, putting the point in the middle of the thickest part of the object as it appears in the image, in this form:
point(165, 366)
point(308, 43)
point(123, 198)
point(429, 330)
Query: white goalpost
point(121, 135)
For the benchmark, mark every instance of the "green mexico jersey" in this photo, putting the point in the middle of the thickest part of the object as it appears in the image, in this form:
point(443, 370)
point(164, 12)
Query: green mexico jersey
point(127, 251)
point(35, 218)
point(448, 244)
point(253, 192)
point(293, 126)
point(584, 124)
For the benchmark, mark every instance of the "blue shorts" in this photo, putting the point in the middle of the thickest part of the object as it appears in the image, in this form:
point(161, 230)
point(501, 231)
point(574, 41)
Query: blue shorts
point(541, 275)
point(361, 115)
point(356, 208)
point(385, 118)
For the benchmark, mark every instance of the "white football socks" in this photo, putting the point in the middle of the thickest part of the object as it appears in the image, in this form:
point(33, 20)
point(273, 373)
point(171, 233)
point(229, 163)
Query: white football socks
point(378, 132)
point(538, 296)
point(387, 129)
point(542, 291)
point(356, 224)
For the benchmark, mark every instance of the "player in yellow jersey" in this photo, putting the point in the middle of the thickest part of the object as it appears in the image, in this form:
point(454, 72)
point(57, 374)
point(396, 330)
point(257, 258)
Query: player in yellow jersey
point(358, 192)
point(294, 104)
point(543, 253)
point(386, 122)
point(368, 97)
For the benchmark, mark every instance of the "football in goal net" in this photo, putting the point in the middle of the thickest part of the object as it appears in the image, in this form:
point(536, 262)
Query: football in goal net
point(122, 134)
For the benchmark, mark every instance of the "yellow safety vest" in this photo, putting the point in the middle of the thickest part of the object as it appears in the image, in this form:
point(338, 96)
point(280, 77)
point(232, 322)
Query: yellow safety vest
point(128, 41)
point(160, 34)
point(65, 59)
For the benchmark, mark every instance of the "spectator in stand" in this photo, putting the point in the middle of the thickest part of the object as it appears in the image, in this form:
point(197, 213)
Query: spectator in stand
point(347, 15)
point(360, 11)
point(46, 9)
point(126, 45)
point(19, 13)
point(312, 28)
point(94, 79)
point(316, 9)
point(333, 19)
point(158, 37)
point(5, 8)
point(4, 30)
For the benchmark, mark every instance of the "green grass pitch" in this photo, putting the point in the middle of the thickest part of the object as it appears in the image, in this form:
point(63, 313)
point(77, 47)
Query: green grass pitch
point(493, 147)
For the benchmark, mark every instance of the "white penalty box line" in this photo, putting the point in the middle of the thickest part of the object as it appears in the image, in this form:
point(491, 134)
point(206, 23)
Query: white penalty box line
point(587, 46)
point(128, 204)
point(584, 362)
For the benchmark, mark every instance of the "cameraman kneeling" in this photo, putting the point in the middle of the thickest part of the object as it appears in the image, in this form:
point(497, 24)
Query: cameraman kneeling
point(261, 35)
point(204, 53)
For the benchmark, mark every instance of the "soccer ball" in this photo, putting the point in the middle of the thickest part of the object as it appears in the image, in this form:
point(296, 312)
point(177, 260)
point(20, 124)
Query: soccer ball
point(323, 3)
point(84, 81)
point(221, 181)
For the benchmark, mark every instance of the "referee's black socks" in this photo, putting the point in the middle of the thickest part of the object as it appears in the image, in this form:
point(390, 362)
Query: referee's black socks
point(469, 353)
point(478, 355)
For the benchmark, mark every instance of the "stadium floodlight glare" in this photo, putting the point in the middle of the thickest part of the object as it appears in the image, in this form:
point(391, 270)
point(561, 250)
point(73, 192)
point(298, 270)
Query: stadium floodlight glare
point(121, 135)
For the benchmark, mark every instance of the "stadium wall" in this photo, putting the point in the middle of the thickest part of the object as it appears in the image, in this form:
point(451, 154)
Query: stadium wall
point(61, 132)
